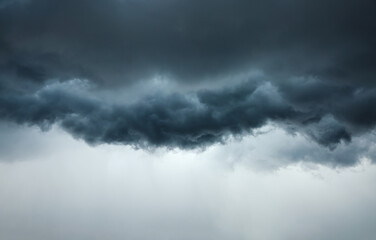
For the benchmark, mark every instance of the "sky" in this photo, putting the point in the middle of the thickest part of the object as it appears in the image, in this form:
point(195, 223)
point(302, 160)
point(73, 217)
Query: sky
point(187, 119)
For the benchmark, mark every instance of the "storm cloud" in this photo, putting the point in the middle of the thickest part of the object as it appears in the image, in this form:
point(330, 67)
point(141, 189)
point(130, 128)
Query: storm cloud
point(175, 120)
point(125, 41)
point(315, 61)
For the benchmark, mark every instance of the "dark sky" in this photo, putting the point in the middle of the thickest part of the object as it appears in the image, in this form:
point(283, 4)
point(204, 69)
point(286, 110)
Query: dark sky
point(232, 67)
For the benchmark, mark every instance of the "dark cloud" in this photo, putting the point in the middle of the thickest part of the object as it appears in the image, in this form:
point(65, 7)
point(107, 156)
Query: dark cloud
point(172, 120)
point(124, 41)
point(316, 62)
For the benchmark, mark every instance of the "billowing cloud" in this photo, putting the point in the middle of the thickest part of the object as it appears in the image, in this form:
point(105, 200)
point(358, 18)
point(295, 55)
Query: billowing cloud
point(174, 120)
point(315, 61)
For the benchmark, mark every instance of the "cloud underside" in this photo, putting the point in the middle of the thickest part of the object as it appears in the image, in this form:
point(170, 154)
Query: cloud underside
point(316, 63)
point(191, 120)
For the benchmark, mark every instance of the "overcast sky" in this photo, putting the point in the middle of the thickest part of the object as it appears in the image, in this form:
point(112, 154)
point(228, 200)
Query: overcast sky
point(187, 119)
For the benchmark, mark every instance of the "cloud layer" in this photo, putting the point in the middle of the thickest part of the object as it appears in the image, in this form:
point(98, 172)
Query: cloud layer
point(175, 120)
point(124, 41)
point(316, 62)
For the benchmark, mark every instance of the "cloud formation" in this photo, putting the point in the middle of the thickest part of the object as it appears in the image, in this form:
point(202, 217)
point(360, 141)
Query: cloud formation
point(316, 61)
point(124, 41)
point(175, 120)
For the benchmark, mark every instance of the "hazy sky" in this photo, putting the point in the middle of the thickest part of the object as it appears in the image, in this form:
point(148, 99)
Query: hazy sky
point(187, 119)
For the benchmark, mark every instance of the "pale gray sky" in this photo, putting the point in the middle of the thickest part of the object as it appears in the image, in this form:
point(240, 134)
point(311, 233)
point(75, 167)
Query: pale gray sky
point(61, 188)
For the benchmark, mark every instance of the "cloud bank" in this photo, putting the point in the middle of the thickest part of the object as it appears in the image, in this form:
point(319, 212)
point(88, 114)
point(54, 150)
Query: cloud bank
point(316, 61)
point(175, 120)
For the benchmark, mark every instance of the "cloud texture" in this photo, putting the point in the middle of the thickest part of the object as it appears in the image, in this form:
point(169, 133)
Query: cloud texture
point(315, 58)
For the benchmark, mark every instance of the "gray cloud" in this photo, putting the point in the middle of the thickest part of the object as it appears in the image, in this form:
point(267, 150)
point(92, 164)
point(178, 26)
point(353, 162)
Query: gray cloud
point(124, 41)
point(316, 60)
point(192, 120)
point(174, 120)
